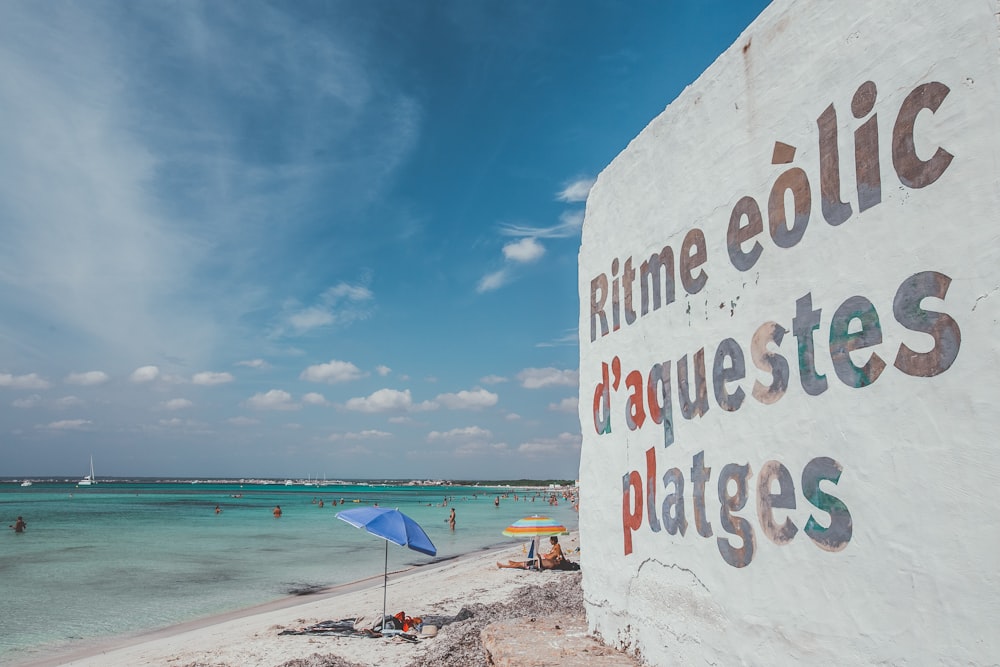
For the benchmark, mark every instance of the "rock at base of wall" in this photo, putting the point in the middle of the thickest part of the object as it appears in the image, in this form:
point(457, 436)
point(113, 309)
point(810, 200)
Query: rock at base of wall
point(548, 641)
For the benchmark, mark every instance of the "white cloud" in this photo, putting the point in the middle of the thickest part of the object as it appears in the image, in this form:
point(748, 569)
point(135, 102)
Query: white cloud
point(242, 421)
point(145, 374)
point(28, 402)
point(468, 400)
point(493, 379)
point(29, 381)
point(88, 378)
point(370, 434)
point(383, 400)
point(332, 372)
point(462, 434)
point(172, 422)
point(253, 363)
point(383, 370)
point(176, 404)
point(536, 378)
point(512, 417)
point(68, 402)
point(210, 378)
point(67, 424)
point(576, 191)
point(525, 250)
point(492, 281)
point(275, 399)
point(313, 398)
point(568, 405)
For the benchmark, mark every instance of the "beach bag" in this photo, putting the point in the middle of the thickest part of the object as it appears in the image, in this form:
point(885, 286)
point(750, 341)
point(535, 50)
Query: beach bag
point(567, 565)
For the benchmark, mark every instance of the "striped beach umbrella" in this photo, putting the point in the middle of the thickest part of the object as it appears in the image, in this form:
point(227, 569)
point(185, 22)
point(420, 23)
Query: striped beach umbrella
point(534, 527)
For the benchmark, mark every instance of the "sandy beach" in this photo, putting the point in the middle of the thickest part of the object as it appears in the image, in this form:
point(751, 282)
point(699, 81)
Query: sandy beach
point(437, 592)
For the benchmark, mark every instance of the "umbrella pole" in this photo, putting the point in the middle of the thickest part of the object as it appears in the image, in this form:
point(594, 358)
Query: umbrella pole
point(385, 582)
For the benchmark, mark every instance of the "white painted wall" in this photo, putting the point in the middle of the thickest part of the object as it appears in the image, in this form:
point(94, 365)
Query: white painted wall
point(917, 581)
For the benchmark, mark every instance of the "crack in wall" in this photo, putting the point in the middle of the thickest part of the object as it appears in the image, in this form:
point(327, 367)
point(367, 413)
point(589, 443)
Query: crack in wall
point(673, 566)
point(985, 296)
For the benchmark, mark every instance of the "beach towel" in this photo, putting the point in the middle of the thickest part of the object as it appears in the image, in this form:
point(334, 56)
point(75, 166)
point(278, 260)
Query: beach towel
point(566, 565)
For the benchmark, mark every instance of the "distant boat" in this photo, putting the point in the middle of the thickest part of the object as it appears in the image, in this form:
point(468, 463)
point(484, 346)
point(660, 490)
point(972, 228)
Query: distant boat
point(89, 479)
point(26, 482)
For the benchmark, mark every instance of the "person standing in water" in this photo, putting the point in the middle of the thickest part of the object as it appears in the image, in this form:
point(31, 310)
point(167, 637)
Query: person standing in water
point(277, 511)
point(19, 525)
point(451, 519)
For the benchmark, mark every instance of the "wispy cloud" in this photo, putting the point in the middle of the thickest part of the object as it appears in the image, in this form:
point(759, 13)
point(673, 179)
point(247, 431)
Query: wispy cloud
point(528, 248)
point(460, 434)
point(492, 281)
point(340, 304)
point(570, 223)
point(571, 337)
point(370, 434)
point(67, 425)
point(177, 404)
point(115, 161)
point(576, 190)
point(565, 443)
point(253, 363)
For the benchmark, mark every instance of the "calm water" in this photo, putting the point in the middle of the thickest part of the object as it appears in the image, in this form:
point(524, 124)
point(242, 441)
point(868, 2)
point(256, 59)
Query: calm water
point(118, 558)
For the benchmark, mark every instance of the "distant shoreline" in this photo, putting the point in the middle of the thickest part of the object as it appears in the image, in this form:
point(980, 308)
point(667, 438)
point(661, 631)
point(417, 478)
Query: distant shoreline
point(532, 484)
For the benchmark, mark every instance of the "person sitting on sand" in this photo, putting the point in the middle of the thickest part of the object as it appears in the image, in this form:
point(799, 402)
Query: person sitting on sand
point(548, 561)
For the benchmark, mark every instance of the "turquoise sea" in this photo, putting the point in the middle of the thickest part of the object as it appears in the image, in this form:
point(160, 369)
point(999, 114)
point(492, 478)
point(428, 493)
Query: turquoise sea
point(123, 557)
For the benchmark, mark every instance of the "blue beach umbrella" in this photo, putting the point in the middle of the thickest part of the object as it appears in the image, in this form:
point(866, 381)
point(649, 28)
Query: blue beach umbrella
point(392, 526)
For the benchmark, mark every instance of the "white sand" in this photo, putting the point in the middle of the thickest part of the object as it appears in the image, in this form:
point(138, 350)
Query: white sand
point(250, 637)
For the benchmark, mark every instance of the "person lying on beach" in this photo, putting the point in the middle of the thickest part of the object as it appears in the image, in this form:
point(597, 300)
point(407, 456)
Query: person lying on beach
point(548, 561)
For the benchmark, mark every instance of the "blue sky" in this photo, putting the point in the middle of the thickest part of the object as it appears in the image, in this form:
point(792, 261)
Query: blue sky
point(312, 239)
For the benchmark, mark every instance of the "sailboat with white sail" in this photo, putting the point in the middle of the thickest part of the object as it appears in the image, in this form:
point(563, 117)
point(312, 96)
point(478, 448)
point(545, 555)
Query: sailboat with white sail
point(89, 479)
